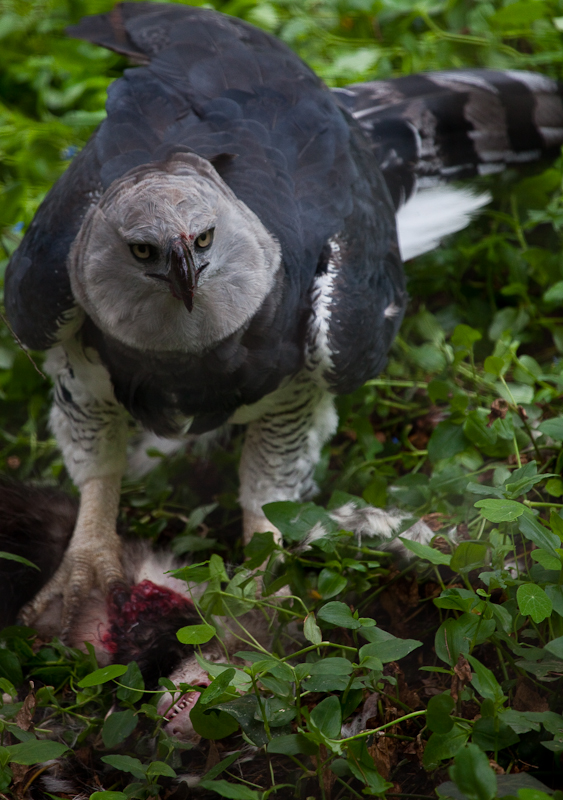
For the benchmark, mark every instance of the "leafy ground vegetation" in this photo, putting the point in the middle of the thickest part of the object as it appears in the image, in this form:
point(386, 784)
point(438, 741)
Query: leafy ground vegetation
point(446, 671)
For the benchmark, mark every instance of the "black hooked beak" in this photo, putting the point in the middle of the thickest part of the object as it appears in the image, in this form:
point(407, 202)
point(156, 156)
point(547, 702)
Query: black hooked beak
point(182, 272)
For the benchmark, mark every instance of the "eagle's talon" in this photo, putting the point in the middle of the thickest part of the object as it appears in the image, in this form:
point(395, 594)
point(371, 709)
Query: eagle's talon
point(82, 570)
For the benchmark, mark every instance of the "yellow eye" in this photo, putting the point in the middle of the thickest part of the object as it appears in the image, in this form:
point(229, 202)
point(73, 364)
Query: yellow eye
point(204, 239)
point(143, 251)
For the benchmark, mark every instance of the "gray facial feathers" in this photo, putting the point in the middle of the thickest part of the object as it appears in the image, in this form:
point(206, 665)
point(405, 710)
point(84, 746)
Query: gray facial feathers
point(156, 204)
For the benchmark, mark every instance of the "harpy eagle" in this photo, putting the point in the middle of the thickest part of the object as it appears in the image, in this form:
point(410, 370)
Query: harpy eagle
point(225, 249)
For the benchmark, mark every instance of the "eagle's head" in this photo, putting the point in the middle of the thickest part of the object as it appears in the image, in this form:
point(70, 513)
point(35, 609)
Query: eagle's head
point(170, 259)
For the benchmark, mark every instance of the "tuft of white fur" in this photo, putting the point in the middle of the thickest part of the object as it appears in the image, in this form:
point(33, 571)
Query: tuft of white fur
point(434, 213)
point(371, 522)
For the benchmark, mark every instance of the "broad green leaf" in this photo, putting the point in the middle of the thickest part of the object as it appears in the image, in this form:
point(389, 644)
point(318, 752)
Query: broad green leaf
point(485, 682)
point(493, 734)
point(468, 556)
point(473, 775)
point(196, 634)
point(546, 559)
point(157, 768)
point(455, 636)
point(537, 533)
point(556, 647)
point(447, 440)
point(533, 602)
point(222, 765)
point(259, 549)
point(385, 646)
point(327, 717)
point(426, 552)
point(442, 746)
point(246, 711)
point(495, 365)
point(552, 428)
point(555, 293)
point(327, 683)
point(338, 614)
point(126, 764)
point(118, 726)
point(460, 599)
point(330, 583)
point(135, 683)
point(232, 791)
point(438, 716)
point(555, 594)
point(311, 630)
point(108, 796)
point(332, 666)
point(217, 687)
point(500, 510)
point(215, 724)
point(464, 336)
point(293, 744)
point(35, 751)
point(10, 667)
point(102, 675)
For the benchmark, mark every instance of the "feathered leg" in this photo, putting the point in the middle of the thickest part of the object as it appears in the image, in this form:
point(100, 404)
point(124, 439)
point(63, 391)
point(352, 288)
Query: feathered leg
point(91, 430)
point(282, 448)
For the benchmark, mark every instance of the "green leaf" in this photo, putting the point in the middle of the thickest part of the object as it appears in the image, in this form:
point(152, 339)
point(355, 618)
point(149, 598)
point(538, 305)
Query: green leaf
point(222, 765)
point(311, 630)
point(118, 726)
point(196, 634)
point(330, 583)
point(473, 775)
point(232, 791)
point(485, 682)
point(447, 440)
point(259, 549)
point(438, 716)
point(552, 427)
point(556, 647)
point(157, 768)
point(332, 666)
point(490, 733)
point(293, 744)
point(35, 751)
point(327, 717)
point(126, 764)
point(217, 687)
point(546, 559)
point(464, 336)
point(385, 646)
point(338, 614)
point(102, 675)
point(555, 594)
point(538, 534)
point(442, 746)
point(215, 724)
point(108, 796)
point(426, 552)
point(10, 667)
point(19, 559)
point(135, 683)
point(554, 487)
point(500, 510)
point(533, 602)
point(468, 556)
